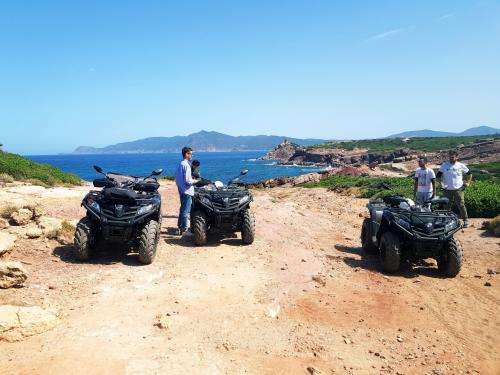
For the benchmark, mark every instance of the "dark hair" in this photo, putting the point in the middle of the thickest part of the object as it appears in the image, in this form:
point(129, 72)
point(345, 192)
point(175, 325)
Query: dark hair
point(453, 152)
point(185, 150)
point(195, 163)
point(424, 158)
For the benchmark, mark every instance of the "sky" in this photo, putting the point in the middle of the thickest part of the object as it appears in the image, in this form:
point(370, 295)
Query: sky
point(96, 73)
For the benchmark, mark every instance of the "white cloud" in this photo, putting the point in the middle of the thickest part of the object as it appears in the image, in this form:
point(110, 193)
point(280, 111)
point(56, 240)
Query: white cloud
point(389, 33)
point(445, 16)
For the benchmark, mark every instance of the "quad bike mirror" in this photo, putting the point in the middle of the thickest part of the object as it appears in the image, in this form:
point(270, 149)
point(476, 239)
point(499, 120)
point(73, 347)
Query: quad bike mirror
point(157, 172)
point(244, 172)
point(98, 169)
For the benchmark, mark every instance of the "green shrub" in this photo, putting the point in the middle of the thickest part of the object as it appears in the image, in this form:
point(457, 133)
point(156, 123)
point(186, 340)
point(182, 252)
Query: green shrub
point(485, 171)
point(23, 169)
point(482, 198)
point(168, 178)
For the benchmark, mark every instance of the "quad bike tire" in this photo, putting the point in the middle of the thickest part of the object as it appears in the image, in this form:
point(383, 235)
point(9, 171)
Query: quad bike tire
point(248, 227)
point(390, 252)
point(450, 262)
point(84, 241)
point(199, 228)
point(148, 242)
point(366, 238)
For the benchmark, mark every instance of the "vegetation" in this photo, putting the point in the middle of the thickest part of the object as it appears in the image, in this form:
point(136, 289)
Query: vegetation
point(493, 225)
point(7, 211)
point(481, 198)
point(4, 177)
point(424, 144)
point(485, 171)
point(23, 169)
point(168, 178)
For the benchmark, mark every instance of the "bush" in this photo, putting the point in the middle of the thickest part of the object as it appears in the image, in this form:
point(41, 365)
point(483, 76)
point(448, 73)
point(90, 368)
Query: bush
point(7, 211)
point(481, 198)
point(4, 177)
point(23, 169)
point(493, 226)
point(168, 178)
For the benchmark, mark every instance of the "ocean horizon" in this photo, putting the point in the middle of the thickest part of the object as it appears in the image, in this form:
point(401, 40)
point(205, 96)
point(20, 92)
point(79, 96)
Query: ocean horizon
point(214, 165)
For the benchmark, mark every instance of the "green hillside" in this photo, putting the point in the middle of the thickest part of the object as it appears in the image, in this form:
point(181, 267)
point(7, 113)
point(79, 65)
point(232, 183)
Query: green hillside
point(22, 169)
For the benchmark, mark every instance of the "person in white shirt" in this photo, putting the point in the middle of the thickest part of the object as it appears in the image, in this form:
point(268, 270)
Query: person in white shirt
point(451, 174)
point(425, 183)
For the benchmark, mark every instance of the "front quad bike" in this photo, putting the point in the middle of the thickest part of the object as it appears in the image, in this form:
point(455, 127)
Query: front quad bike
point(401, 231)
point(222, 208)
point(126, 210)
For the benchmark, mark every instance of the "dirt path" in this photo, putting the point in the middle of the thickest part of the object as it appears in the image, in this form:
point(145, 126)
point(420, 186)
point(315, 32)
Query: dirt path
point(302, 296)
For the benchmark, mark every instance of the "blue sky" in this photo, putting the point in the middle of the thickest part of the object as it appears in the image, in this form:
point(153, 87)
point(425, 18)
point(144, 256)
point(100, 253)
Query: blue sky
point(100, 72)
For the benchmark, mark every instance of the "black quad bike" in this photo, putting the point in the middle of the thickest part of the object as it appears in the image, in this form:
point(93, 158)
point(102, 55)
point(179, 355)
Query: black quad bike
point(398, 230)
point(127, 210)
point(222, 208)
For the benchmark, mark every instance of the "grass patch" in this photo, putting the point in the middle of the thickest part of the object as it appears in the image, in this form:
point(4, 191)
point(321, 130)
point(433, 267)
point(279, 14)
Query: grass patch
point(481, 198)
point(168, 178)
point(423, 144)
point(23, 169)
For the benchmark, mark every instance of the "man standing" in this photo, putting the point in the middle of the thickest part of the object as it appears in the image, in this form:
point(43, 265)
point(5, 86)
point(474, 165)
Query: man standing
point(451, 174)
point(425, 183)
point(185, 182)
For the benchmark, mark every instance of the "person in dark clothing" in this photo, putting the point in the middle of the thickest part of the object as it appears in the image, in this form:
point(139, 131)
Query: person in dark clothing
point(195, 169)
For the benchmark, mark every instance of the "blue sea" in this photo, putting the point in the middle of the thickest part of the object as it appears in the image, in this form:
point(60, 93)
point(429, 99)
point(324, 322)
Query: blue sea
point(214, 165)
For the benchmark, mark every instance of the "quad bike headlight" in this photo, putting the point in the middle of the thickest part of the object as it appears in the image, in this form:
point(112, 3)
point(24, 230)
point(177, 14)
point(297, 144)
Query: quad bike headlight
point(403, 223)
point(93, 205)
point(206, 201)
point(145, 209)
point(244, 199)
point(450, 226)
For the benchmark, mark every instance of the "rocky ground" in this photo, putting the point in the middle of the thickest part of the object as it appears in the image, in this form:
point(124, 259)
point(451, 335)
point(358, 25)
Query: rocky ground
point(303, 299)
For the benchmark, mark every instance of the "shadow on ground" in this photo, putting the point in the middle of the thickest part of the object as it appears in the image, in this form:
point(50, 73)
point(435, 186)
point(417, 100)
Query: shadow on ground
point(213, 240)
point(371, 262)
point(109, 254)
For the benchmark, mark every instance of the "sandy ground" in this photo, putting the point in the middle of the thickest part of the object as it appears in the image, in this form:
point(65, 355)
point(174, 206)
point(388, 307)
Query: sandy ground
point(303, 299)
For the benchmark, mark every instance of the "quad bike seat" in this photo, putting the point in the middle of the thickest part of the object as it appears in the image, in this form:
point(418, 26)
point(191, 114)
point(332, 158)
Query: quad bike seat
point(440, 200)
point(148, 186)
point(116, 193)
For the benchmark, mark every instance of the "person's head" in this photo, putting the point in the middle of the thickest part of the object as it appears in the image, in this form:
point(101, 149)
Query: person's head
point(453, 156)
point(422, 161)
point(187, 153)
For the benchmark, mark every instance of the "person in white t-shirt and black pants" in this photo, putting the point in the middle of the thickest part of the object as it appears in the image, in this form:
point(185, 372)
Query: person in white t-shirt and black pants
point(425, 183)
point(451, 174)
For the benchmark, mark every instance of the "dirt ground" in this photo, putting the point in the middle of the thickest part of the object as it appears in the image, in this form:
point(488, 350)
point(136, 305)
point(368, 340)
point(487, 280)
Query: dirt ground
point(303, 299)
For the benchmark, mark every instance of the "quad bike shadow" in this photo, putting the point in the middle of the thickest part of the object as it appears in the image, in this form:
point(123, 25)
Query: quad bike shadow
point(106, 254)
point(370, 262)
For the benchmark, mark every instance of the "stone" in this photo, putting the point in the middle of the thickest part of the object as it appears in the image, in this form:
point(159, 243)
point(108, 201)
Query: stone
point(3, 223)
point(34, 232)
point(19, 322)
point(12, 274)
point(487, 283)
point(314, 371)
point(49, 226)
point(22, 217)
point(6, 242)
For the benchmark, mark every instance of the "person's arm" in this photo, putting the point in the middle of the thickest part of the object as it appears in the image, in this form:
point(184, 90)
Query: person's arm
point(433, 182)
point(415, 187)
point(188, 180)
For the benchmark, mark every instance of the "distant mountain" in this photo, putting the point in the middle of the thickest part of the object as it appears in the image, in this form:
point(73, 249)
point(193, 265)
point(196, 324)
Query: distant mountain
point(479, 130)
point(201, 141)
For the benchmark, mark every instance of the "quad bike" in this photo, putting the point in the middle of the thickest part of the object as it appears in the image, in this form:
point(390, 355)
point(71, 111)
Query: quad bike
point(126, 210)
point(398, 230)
point(222, 208)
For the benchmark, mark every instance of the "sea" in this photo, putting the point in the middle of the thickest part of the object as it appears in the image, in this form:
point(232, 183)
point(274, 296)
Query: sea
point(221, 166)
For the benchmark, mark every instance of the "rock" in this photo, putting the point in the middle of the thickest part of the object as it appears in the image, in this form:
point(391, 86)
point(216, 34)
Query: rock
point(319, 279)
point(50, 226)
point(3, 223)
point(6, 242)
point(22, 217)
point(347, 341)
point(18, 322)
point(12, 274)
point(34, 232)
point(487, 283)
point(314, 371)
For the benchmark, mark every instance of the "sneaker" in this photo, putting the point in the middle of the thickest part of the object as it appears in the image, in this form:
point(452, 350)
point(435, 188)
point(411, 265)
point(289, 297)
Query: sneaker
point(466, 224)
point(188, 233)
